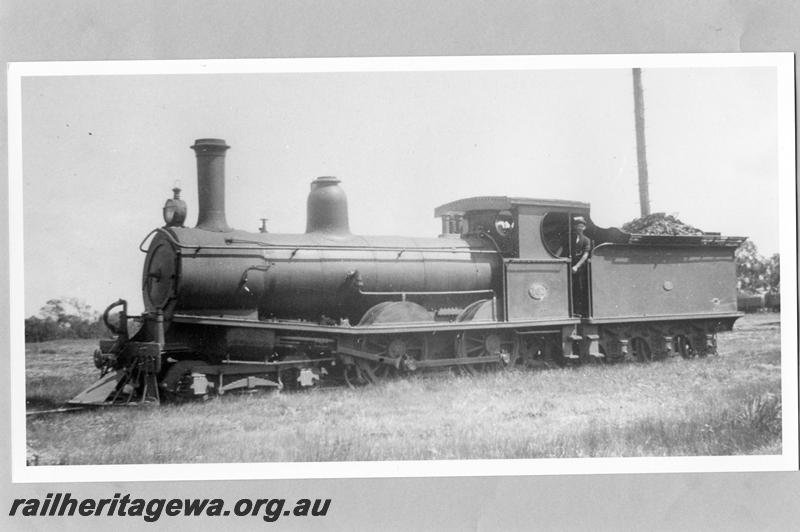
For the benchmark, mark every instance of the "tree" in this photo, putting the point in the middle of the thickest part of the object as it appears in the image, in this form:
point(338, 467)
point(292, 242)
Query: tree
point(66, 317)
point(755, 273)
point(40, 330)
point(773, 275)
point(65, 308)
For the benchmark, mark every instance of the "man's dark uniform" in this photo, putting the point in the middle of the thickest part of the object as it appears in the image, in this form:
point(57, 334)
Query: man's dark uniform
point(580, 245)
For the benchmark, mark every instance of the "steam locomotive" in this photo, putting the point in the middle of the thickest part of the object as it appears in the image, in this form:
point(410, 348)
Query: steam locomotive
point(229, 310)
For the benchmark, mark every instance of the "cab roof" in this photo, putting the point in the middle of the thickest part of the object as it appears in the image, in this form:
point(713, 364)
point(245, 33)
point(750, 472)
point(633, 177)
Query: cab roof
point(504, 203)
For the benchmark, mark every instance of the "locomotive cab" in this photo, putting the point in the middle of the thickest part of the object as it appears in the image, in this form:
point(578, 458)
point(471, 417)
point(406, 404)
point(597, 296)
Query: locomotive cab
point(535, 238)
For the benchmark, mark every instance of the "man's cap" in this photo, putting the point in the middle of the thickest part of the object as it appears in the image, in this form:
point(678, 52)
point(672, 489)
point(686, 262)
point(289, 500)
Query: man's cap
point(579, 220)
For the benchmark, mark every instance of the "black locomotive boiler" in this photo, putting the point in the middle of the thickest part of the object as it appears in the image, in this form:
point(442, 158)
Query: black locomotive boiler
point(229, 310)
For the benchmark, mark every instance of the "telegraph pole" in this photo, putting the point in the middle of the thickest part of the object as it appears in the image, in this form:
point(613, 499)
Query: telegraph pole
point(641, 148)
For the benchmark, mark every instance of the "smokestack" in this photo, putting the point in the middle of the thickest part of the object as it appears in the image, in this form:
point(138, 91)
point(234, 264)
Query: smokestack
point(327, 208)
point(211, 184)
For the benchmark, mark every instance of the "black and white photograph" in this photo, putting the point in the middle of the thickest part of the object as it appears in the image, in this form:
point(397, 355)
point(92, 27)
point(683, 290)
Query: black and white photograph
point(431, 265)
point(450, 265)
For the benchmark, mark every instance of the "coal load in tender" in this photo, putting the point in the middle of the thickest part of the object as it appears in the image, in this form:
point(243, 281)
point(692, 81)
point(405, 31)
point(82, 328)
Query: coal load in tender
point(659, 224)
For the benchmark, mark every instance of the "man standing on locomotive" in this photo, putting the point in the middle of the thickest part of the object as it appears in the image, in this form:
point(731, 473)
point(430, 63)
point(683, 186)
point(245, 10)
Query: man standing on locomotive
point(579, 251)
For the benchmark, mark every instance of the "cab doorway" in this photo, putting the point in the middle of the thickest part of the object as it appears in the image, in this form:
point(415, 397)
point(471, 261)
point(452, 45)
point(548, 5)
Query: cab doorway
point(563, 236)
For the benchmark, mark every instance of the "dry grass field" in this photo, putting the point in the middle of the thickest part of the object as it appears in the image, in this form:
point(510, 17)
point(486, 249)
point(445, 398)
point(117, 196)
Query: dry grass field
point(723, 405)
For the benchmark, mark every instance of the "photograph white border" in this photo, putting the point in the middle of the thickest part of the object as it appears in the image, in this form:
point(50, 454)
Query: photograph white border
point(787, 461)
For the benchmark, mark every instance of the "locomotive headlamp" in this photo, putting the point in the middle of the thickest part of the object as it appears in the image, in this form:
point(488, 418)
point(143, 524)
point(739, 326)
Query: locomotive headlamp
point(175, 209)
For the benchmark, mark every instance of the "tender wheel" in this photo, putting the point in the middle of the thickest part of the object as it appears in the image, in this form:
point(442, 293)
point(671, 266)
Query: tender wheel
point(683, 346)
point(706, 345)
point(640, 349)
point(473, 344)
point(602, 360)
point(402, 350)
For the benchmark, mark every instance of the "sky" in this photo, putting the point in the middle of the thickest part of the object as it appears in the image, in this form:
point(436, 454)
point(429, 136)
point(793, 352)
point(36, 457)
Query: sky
point(101, 154)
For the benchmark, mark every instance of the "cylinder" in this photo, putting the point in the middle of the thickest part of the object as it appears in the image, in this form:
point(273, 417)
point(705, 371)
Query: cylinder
point(211, 184)
point(327, 208)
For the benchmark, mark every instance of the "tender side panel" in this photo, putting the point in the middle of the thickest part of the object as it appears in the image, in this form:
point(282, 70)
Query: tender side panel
point(536, 289)
point(634, 280)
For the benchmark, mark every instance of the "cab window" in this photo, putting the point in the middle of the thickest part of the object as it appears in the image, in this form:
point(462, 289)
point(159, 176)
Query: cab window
point(555, 233)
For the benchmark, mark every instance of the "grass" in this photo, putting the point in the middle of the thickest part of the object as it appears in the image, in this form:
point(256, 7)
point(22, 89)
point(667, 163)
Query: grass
point(722, 405)
point(58, 370)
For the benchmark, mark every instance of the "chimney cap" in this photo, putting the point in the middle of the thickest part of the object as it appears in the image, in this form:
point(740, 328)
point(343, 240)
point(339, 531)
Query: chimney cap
point(209, 143)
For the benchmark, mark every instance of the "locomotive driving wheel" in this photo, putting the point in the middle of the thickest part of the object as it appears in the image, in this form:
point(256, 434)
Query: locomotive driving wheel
point(398, 355)
point(474, 344)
